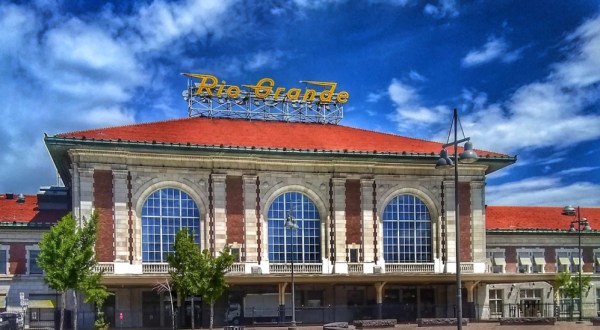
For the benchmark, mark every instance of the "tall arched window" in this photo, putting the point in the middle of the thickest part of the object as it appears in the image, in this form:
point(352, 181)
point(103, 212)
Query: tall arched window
point(406, 230)
point(306, 240)
point(164, 213)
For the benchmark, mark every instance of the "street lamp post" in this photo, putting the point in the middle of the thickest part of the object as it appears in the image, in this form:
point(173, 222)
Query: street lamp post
point(290, 223)
point(582, 224)
point(467, 156)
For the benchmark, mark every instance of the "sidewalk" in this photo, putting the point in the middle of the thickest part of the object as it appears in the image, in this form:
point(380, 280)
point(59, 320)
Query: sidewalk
point(470, 326)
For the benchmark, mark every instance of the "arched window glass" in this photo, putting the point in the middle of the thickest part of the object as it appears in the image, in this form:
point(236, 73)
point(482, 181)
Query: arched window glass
point(164, 213)
point(305, 241)
point(406, 230)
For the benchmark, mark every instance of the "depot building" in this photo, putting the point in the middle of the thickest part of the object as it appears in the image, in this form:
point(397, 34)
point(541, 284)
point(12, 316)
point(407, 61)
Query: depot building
point(374, 232)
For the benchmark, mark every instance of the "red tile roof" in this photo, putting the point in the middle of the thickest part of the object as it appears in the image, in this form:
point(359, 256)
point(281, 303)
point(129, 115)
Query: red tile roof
point(263, 134)
point(27, 212)
point(536, 217)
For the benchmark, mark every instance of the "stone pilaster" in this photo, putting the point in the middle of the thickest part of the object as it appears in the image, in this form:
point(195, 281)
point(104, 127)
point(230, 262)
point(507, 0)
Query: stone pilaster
point(478, 219)
point(450, 224)
point(121, 215)
point(250, 220)
point(339, 207)
point(220, 218)
point(86, 193)
point(368, 219)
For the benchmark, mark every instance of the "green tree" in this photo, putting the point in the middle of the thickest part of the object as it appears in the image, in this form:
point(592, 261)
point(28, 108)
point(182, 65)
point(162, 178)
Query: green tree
point(569, 285)
point(212, 277)
point(184, 263)
point(67, 257)
point(96, 293)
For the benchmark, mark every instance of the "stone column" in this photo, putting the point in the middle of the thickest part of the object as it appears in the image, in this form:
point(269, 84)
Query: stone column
point(86, 193)
point(121, 215)
point(250, 220)
point(220, 218)
point(367, 220)
point(339, 207)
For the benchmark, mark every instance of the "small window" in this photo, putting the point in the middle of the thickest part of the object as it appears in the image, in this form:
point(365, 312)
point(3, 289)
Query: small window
point(498, 261)
point(353, 254)
point(34, 269)
point(3, 262)
point(235, 252)
point(597, 264)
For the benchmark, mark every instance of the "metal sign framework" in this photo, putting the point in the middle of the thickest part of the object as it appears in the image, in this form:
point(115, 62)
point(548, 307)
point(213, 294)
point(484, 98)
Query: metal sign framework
point(248, 106)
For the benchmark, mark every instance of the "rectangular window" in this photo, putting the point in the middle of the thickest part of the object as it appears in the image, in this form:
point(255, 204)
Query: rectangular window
point(525, 263)
point(353, 255)
point(539, 261)
point(564, 262)
point(3, 262)
point(34, 269)
point(497, 260)
point(598, 301)
point(496, 303)
point(597, 264)
point(235, 252)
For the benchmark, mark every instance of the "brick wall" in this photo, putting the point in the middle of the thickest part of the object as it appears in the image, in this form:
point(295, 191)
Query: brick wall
point(234, 209)
point(511, 260)
point(103, 203)
point(18, 259)
point(464, 202)
point(353, 225)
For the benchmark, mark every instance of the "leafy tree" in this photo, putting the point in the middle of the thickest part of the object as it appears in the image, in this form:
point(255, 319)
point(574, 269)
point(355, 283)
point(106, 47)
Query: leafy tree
point(67, 258)
point(184, 262)
point(212, 277)
point(570, 286)
point(96, 294)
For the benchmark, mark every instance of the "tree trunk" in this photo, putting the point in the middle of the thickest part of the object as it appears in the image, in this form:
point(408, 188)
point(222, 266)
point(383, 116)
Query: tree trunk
point(63, 297)
point(75, 310)
point(212, 314)
point(193, 315)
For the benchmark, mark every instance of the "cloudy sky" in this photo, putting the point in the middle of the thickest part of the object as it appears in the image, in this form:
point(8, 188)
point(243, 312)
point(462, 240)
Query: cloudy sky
point(524, 75)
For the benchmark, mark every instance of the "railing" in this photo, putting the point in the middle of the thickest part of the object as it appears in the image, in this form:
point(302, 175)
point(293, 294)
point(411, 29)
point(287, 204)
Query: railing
point(155, 268)
point(298, 268)
point(105, 267)
point(355, 268)
point(409, 268)
point(467, 268)
point(237, 268)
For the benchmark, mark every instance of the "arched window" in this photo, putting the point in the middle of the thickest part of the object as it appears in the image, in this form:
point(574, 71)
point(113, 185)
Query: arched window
point(305, 241)
point(406, 230)
point(164, 213)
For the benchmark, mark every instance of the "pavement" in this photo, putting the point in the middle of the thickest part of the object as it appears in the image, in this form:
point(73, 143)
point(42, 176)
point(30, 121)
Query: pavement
point(471, 326)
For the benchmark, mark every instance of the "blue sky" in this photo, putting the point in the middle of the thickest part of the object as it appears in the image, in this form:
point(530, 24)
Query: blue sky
point(525, 75)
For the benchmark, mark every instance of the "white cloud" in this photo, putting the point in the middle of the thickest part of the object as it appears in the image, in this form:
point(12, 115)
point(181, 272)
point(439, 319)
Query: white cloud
point(263, 59)
point(409, 114)
point(414, 75)
point(161, 23)
point(494, 49)
point(375, 97)
point(444, 8)
point(543, 191)
point(65, 73)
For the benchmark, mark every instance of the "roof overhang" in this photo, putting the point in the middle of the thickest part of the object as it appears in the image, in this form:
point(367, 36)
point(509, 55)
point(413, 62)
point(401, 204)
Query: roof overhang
point(59, 147)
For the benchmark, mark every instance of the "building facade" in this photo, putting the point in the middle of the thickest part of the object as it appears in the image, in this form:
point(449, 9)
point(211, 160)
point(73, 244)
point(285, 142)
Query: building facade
point(375, 223)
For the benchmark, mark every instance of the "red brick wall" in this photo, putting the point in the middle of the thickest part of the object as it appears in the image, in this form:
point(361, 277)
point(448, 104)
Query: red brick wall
point(353, 225)
point(464, 202)
point(234, 209)
point(103, 203)
point(550, 256)
point(511, 260)
point(587, 258)
point(17, 262)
